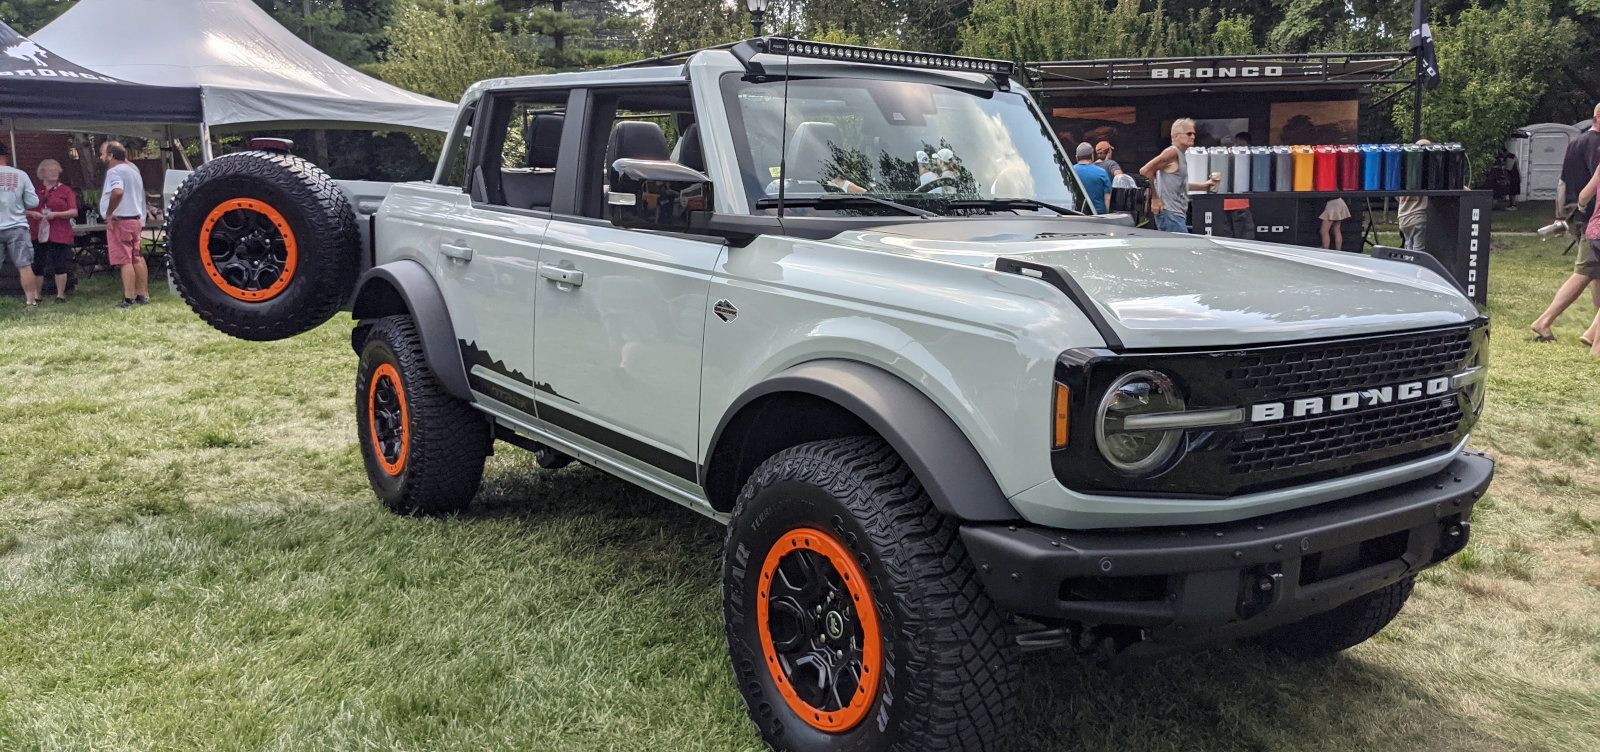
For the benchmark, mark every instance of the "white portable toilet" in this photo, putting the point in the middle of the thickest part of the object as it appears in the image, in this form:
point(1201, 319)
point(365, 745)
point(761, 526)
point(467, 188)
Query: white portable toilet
point(1539, 149)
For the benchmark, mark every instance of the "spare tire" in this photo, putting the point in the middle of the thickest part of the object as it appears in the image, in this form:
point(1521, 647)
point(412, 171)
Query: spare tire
point(263, 245)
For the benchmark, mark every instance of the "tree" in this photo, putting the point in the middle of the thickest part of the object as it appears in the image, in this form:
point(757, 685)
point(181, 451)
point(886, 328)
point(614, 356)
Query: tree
point(1024, 30)
point(1495, 64)
point(350, 31)
point(28, 16)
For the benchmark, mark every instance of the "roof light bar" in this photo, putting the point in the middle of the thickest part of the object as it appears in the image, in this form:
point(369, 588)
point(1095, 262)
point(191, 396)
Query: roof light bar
point(1001, 70)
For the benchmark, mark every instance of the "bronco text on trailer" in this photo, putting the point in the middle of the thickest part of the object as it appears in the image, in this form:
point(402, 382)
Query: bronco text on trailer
point(854, 303)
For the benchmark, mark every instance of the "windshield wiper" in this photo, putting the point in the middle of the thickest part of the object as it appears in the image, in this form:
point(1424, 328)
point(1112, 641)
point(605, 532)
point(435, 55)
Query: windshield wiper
point(842, 198)
point(1011, 203)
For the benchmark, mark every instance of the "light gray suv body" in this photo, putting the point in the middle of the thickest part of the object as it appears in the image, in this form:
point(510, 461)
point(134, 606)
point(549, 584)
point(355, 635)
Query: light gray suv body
point(846, 266)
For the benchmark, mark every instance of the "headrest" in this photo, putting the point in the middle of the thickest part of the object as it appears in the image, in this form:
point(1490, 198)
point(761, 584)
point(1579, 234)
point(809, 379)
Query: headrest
point(810, 149)
point(687, 152)
point(635, 139)
point(544, 140)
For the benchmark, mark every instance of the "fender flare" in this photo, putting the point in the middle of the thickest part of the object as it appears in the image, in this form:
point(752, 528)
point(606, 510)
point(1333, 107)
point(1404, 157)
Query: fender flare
point(420, 298)
point(955, 476)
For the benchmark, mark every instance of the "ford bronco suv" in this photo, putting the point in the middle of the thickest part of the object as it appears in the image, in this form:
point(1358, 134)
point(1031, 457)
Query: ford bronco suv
point(853, 303)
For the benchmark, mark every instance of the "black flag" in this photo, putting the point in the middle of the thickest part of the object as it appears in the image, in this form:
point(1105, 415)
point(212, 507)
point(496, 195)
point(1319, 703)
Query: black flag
point(1422, 47)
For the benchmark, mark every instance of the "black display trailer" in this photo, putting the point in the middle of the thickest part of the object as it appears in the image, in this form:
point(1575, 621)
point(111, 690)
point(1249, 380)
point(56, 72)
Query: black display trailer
point(1457, 230)
point(1277, 101)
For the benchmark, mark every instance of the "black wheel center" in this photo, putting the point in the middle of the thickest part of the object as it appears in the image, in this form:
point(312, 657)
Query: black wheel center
point(387, 419)
point(815, 633)
point(247, 249)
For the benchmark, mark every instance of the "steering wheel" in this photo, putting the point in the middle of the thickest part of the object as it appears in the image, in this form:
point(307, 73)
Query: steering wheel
point(938, 182)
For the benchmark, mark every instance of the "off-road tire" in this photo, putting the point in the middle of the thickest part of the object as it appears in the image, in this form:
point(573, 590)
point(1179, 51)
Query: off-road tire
point(1342, 628)
point(949, 659)
point(326, 244)
point(445, 441)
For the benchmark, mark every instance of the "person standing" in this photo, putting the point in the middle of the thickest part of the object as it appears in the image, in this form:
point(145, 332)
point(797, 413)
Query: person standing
point(1577, 168)
point(58, 204)
point(1168, 174)
point(122, 205)
point(16, 197)
point(1103, 152)
point(1094, 178)
point(1412, 213)
point(1585, 272)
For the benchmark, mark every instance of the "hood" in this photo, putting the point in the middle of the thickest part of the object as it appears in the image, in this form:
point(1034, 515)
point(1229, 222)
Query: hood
point(1163, 290)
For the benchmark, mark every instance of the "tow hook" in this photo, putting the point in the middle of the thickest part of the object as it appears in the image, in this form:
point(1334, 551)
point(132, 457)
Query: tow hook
point(1262, 590)
point(1452, 538)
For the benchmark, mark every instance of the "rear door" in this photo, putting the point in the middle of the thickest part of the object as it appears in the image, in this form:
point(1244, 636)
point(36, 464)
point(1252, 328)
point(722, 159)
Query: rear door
point(621, 313)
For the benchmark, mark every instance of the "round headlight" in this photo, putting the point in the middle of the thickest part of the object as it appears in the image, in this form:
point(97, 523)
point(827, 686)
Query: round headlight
point(1140, 449)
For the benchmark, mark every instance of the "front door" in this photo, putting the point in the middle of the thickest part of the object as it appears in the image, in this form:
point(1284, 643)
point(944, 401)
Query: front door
point(619, 329)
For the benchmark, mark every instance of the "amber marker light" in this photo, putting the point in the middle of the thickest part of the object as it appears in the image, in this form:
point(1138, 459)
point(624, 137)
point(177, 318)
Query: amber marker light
point(1063, 396)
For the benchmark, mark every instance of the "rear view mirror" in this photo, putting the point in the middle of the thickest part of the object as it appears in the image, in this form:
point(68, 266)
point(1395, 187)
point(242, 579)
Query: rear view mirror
point(652, 194)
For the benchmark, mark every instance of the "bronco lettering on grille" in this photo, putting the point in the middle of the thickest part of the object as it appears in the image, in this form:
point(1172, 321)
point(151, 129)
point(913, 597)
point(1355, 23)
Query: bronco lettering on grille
point(1266, 412)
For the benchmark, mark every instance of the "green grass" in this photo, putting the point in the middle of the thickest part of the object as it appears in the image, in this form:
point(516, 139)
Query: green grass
point(190, 559)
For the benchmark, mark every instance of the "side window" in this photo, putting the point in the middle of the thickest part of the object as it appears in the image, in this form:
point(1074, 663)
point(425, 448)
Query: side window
point(517, 155)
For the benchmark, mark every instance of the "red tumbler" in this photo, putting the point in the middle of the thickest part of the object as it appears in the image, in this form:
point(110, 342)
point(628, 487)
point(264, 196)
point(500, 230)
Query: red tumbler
point(1349, 168)
point(1327, 172)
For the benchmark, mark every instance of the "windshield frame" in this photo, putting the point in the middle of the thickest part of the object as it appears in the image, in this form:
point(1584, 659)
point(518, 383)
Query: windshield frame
point(749, 186)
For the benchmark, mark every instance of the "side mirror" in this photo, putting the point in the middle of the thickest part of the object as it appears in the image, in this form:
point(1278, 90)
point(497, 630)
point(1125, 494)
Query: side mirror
point(651, 194)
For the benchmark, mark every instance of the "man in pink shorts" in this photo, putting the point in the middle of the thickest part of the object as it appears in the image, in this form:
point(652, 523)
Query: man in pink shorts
point(122, 206)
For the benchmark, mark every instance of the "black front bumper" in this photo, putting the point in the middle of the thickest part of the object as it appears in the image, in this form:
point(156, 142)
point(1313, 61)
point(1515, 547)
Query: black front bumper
point(1208, 583)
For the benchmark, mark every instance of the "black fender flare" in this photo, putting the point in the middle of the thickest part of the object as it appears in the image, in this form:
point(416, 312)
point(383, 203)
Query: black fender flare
point(955, 476)
point(406, 288)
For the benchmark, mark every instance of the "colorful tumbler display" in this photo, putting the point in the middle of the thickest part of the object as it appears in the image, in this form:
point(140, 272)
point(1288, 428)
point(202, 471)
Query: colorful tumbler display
point(1371, 167)
point(1260, 168)
point(1221, 163)
point(1411, 158)
point(1434, 167)
point(1326, 175)
point(1455, 167)
point(1391, 167)
point(1282, 168)
point(1349, 168)
point(1196, 164)
point(1241, 169)
point(1304, 167)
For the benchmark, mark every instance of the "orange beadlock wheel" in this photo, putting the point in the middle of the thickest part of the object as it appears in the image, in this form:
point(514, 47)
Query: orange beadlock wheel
point(248, 249)
point(388, 419)
point(819, 631)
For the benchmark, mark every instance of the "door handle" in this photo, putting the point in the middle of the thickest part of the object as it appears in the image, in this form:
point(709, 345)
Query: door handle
point(560, 274)
point(458, 252)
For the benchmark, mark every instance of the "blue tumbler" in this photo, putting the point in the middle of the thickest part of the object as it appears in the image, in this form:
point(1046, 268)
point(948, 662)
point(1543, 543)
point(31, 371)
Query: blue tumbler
point(1371, 167)
point(1391, 167)
point(1260, 169)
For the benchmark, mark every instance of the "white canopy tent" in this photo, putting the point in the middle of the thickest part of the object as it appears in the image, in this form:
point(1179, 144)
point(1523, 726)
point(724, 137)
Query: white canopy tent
point(249, 68)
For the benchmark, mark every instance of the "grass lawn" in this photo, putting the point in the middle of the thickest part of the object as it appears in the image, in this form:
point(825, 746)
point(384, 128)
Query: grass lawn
point(190, 559)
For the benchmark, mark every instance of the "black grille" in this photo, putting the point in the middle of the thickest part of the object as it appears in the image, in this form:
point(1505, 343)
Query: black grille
point(1338, 367)
point(1344, 436)
point(1223, 461)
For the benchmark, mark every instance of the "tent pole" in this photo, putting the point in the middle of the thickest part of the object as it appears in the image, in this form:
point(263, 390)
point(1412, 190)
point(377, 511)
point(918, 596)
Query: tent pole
point(205, 142)
point(12, 126)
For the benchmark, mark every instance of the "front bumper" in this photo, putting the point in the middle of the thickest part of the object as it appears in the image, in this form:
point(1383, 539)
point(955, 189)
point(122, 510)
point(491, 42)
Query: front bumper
point(1198, 584)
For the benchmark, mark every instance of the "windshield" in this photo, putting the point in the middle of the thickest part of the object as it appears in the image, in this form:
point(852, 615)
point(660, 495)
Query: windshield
point(936, 148)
